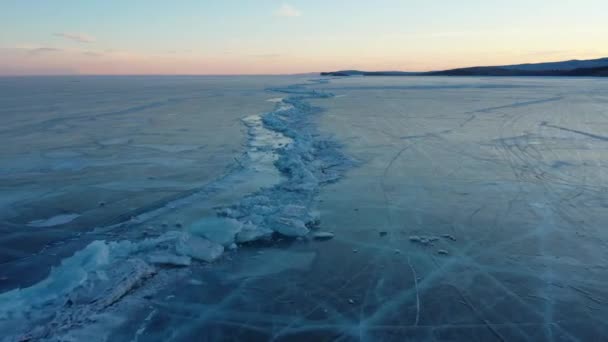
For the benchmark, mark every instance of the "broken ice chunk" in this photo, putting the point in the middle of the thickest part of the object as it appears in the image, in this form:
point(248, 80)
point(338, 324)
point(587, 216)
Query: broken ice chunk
point(128, 276)
point(448, 236)
point(263, 210)
point(415, 238)
point(423, 239)
point(323, 235)
point(217, 229)
point(252, 232)
point(314, 219)
point(170, 259)
point(292, 210)
point(103, 288)
point(289, 227)
point(198, 248)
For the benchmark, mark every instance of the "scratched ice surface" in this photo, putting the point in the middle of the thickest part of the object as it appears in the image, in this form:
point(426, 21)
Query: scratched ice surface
point(463, 209)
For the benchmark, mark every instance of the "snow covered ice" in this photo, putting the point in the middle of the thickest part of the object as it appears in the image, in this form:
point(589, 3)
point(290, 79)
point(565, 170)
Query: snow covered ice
point(232, 207)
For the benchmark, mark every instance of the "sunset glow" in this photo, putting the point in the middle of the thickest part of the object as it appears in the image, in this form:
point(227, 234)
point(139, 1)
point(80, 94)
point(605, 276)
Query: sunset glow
point(274, 37)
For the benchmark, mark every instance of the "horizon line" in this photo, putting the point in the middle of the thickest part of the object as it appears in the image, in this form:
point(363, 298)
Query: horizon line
point(293, 74)
point(89, 75)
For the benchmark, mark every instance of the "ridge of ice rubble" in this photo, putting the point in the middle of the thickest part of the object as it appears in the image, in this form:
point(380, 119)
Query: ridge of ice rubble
point(96, 266)
point(306, 162)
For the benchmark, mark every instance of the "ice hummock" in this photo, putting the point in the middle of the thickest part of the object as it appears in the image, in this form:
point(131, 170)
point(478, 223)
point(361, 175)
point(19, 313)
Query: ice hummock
point(99, 275)
point(307, 163)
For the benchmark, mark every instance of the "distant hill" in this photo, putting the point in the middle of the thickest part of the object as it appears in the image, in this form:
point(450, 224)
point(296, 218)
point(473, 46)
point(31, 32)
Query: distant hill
point(565, 65)
point(591, 67)
point(498, 71)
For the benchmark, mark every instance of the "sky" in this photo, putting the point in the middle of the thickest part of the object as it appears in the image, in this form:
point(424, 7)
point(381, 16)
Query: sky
point(48, 37)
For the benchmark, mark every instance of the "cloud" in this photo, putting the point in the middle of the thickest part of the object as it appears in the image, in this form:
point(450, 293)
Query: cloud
point(76, 37)
point(287, 11)
point(42, 50)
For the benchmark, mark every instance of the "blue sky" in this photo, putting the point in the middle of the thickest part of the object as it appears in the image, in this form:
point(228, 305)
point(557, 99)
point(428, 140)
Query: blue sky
point(264, 36)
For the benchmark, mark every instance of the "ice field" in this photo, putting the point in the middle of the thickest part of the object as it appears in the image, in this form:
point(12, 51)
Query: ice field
point(294, 208)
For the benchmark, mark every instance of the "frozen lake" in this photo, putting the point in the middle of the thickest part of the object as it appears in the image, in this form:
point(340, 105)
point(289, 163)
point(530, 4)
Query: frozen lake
point(177, 208)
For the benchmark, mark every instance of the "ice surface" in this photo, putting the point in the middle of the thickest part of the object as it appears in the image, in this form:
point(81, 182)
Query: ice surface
point(273, 262)
point(115, 141)
point(466, 163)
point(170, 148)
point(476, 210)
point(60, 146)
